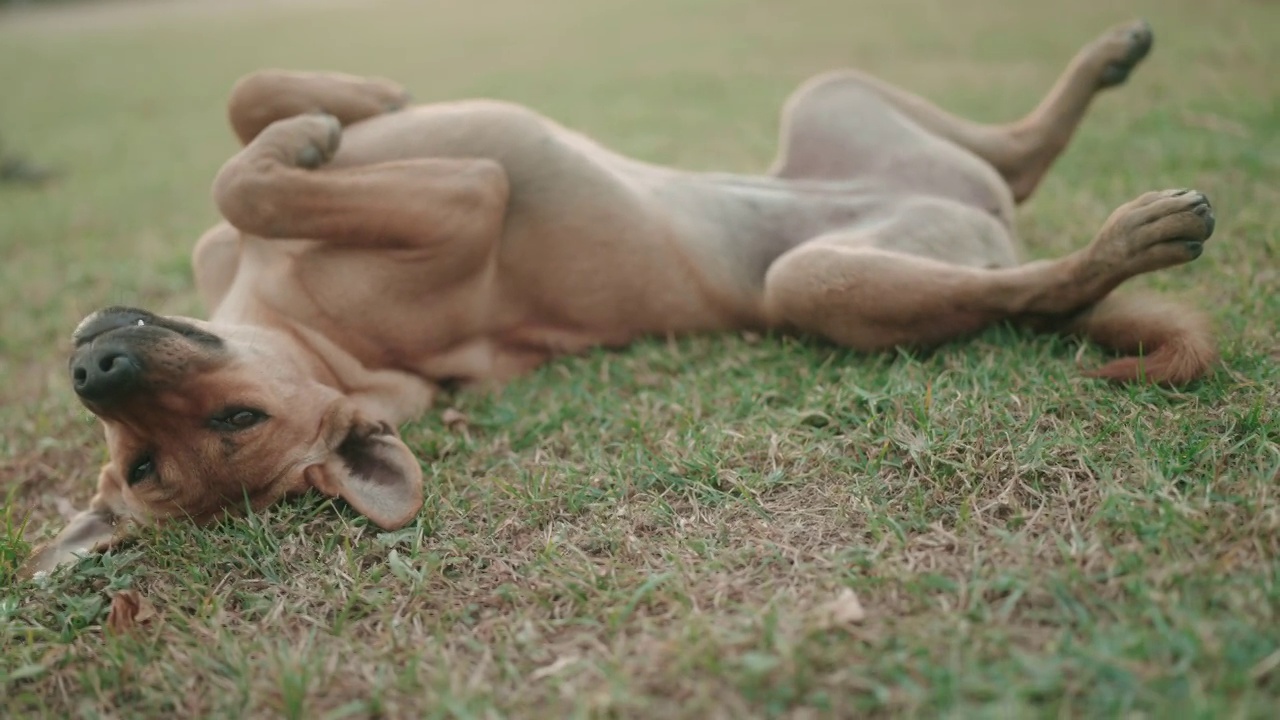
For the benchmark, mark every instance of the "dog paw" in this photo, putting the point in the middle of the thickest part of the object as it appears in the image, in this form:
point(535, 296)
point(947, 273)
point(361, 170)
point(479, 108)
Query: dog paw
point(316, 138)
point(1120, 50)
point(1156, 230)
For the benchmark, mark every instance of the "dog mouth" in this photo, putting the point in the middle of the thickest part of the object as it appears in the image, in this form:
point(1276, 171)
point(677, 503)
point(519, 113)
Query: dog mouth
point(113, 319)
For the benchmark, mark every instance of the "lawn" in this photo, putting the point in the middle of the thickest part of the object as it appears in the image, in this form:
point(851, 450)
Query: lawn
point(665, 531)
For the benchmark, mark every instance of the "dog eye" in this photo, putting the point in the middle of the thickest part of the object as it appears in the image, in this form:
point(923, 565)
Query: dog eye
point(237, 419)
point(141, 470)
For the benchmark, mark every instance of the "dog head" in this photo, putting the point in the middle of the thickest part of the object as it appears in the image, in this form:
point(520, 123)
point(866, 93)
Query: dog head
point(200, 419)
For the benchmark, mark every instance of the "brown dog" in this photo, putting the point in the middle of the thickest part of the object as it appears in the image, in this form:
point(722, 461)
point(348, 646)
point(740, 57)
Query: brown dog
point(472, 241)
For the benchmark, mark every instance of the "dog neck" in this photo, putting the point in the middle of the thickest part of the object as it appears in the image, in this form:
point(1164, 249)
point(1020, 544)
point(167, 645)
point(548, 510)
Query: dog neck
point(389, 395)
point(381, 394)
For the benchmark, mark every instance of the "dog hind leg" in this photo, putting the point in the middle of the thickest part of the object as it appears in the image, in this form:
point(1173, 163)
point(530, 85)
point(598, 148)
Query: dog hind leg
point(823, 118)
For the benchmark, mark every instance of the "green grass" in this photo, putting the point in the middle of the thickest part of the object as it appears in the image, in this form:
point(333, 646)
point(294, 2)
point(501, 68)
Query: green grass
point(654, 532)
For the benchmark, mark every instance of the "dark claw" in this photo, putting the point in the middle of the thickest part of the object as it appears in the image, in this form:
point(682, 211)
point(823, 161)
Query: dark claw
point(310, 157)
point(1205, 212)
point(399, 103)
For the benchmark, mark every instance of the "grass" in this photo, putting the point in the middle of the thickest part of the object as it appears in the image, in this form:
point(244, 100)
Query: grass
point(658, 532)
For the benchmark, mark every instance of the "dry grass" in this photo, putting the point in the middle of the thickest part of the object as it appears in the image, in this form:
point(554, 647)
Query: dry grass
point(662, 532)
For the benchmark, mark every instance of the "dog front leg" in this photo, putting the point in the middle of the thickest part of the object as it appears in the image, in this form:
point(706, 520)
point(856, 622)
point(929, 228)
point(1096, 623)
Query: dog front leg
point(263, 97)
point(277, 187)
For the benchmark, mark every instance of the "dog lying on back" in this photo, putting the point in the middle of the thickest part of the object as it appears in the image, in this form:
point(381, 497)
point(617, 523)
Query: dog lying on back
point(372, 251)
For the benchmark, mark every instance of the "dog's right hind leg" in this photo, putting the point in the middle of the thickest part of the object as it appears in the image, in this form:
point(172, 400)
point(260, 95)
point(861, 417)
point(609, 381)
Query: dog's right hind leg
point(265, 96)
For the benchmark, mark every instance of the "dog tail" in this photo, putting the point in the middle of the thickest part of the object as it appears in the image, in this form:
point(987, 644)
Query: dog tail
point(1165, 342)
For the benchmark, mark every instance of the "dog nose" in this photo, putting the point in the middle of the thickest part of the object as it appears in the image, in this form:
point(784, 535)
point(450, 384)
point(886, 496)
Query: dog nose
point(105, 373)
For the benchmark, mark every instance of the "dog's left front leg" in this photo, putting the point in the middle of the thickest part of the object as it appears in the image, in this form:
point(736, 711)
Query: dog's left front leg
point(263, 97)
point(277, 187)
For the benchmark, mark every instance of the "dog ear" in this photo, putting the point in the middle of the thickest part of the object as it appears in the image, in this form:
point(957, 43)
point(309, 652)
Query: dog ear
point(375, 473)
point(93, 531)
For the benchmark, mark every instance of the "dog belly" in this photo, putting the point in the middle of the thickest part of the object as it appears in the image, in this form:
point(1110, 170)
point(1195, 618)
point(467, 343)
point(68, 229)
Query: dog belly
point(606, 248)
point(743, 224)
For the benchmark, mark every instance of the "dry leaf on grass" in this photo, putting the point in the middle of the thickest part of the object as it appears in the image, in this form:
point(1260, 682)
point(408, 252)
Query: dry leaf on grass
point(815, 418)
point(554, 668)
point(1265, 666)
point(845, 610)
point(128, 610)
point(453, 419)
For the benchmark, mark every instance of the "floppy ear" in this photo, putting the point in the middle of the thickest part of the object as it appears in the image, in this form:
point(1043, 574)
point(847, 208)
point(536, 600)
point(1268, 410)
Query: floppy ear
point(373, 470)
point(93, 531)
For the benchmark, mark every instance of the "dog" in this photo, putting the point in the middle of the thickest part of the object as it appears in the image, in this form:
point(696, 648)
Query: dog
point(372, 251)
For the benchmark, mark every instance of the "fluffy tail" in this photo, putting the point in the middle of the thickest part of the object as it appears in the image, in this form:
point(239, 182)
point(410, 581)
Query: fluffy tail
point(1167, 343)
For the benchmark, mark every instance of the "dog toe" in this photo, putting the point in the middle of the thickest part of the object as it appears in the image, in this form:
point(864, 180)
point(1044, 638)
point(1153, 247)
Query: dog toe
point(1128, 47)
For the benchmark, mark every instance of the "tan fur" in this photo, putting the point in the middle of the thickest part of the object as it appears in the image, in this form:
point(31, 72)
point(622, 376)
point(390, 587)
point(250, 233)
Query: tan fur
point(1169, 343)
point(372, 253)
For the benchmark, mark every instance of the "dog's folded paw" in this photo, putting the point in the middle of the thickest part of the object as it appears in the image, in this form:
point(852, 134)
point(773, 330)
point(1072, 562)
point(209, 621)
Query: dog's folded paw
point(319, 135)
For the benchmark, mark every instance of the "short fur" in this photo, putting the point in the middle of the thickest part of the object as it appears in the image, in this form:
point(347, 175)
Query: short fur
point(372, 252)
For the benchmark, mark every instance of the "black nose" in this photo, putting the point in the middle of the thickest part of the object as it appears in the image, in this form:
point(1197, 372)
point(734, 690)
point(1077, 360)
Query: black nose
point(104, 373)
